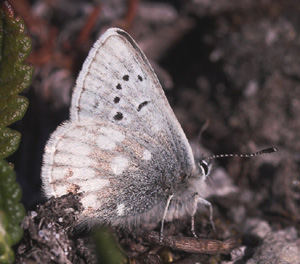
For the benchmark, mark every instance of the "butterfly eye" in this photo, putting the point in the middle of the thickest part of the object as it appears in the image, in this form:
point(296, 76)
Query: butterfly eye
point(205, 167)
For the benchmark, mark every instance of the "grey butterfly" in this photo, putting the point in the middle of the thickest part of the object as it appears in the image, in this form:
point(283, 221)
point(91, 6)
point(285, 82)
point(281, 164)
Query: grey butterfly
point(123, 147)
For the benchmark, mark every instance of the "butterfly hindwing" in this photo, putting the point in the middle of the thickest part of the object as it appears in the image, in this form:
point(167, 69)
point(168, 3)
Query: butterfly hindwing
point(116, 169)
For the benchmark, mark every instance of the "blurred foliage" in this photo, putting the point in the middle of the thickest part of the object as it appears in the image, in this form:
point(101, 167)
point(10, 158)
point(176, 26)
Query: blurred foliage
point(107, 248)
point(15, 76)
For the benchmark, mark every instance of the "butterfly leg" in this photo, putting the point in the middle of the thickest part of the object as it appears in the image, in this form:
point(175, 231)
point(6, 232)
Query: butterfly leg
point(208, 204)
point(164, 217)
point(196, 198)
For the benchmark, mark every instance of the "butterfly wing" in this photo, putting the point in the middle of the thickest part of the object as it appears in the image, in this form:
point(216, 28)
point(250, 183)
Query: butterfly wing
point(120, 172)
point(123, 146)
point(118, 84)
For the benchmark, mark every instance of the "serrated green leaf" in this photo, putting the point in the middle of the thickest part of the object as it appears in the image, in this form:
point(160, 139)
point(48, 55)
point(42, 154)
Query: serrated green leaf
point(15, 76)
point(11, 212)
point(15, 110)
point(14, 80)
point(9, 141)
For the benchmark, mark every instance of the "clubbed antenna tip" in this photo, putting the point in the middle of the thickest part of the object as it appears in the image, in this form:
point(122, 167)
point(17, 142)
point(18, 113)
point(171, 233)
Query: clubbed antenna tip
point(269, 150)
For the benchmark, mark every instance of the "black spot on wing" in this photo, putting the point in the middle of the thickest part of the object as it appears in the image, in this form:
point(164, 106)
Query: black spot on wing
point(126, 77)
point(116, 99)
point(141, 105)
point(118, 116)
point(140, 78)
point(119, 87)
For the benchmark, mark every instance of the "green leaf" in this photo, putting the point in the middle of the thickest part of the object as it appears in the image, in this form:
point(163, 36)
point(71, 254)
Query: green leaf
point(107, 248)
point(9, 141)
point(12, 212)
point(14, 111)
point(15, 76)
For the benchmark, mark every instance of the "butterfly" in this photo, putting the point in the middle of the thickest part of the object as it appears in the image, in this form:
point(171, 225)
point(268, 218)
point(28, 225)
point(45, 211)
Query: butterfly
point(123, 148)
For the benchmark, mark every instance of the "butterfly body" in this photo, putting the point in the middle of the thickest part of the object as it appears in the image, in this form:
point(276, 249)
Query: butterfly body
point(123, 147)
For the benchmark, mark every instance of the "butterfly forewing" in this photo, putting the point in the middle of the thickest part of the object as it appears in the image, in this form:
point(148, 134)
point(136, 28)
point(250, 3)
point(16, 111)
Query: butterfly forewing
point(116, 77)
point(118, 84)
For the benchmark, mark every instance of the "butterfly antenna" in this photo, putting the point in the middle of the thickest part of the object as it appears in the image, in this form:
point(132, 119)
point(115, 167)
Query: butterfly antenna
point(203, 128)
point(261, 152)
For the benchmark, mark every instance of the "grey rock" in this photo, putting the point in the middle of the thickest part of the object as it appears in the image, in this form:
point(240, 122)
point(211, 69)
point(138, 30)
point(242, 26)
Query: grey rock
point(281, 247)
point(257, 227)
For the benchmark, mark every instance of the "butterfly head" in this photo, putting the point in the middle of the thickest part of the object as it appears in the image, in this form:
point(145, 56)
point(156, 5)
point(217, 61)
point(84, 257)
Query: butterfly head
point(204, 165)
